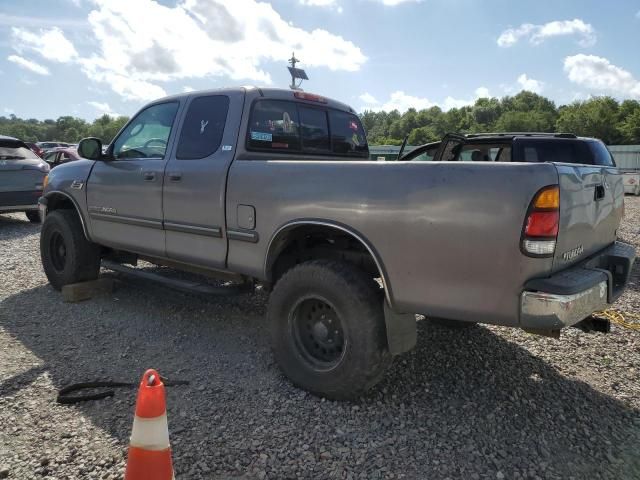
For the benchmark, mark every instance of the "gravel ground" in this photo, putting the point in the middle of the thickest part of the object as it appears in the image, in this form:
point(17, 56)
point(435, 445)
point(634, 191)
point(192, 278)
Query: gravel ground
point(488, 402)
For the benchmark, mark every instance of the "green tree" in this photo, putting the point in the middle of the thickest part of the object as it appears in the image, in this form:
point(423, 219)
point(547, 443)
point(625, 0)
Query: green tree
point(597, 117)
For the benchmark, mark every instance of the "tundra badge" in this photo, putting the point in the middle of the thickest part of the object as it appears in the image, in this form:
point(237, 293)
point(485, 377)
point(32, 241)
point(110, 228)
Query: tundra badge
point(571, 254)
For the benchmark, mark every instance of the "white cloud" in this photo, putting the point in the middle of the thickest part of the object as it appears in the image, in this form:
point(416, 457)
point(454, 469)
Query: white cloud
point(536, 34)
point(187, 89)
point(400, 101)
point(530, 84)
point(638, 14)
point(29, 65)
point(598, 73)
point(202, 38)
point(332, 4)
point(368, 98)
point(102, 108)
point(191, 39)
point(8, 111)
point(50, 44)
point(50, 21)
point(482, 92)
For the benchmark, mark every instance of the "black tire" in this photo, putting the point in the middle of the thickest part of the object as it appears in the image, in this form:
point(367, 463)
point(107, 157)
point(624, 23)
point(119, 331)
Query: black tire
point(67, 256)
point(33, 216)
point(352, 302)
point(452, 324)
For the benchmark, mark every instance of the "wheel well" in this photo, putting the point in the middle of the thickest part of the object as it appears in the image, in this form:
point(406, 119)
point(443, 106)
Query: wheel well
point(301, 243)
point(58, 201)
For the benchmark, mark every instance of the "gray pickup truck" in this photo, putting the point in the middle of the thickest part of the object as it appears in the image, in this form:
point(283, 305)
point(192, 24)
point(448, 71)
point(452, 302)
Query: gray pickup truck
point(276, 187)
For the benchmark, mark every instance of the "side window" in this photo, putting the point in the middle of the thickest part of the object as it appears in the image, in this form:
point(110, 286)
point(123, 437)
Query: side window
point(274, 125)
point(147, 135)
point(203, 127)
point(347, 134)
point(50, 157)
point(601, 154)
point(315, 130)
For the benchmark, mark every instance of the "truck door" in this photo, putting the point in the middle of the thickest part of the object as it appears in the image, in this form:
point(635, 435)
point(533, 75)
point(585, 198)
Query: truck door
point(124, 194)
point(195, 179)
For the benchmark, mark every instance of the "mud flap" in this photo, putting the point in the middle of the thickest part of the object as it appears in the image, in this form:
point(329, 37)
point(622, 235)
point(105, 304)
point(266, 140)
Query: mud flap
point(402, 333)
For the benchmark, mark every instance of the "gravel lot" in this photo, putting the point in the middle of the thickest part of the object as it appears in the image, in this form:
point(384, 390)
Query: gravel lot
point(487, 403)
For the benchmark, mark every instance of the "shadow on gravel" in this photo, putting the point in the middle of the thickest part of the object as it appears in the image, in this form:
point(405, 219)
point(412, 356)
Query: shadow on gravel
point(14, 226)
point(462, 404)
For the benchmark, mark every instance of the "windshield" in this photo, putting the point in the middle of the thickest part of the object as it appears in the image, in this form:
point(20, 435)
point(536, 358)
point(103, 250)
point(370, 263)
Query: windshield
point(16, 152)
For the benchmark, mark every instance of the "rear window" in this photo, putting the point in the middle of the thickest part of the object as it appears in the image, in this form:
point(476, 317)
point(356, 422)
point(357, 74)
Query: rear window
point(15, 151)
point(280, 125)
point(203, 127)
point(347, 134)
point(315, 129)
point(274, 125)
point(565, 151)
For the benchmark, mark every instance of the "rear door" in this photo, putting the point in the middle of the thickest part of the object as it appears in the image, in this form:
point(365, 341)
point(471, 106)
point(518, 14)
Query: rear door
point(195, 179)
point(591, 194)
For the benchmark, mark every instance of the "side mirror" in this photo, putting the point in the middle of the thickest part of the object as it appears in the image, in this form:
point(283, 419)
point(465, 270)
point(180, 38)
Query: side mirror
point(90, 148)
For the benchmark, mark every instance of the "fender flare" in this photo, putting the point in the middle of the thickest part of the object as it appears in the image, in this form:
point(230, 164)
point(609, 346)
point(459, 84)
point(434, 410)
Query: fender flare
point(45, 199)
point(401, 327)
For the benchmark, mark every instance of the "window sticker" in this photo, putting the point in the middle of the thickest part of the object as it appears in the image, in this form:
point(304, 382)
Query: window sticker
point(226, 148)
point(261, 136)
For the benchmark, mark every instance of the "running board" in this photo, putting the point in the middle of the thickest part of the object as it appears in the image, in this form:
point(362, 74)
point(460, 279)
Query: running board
point(177, 284)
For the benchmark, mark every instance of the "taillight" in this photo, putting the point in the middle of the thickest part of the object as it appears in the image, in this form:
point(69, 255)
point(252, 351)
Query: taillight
point(542, 223)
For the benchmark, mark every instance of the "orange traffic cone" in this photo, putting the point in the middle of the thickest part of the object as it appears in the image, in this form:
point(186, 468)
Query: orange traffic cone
point(149, 450)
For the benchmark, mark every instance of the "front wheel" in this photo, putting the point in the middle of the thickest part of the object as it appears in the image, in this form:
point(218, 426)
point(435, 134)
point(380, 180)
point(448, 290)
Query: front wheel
point(327, 329)
point(67, 256)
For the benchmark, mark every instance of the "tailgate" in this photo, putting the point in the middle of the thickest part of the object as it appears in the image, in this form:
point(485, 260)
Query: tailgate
point(591, 207)
point(20, 176)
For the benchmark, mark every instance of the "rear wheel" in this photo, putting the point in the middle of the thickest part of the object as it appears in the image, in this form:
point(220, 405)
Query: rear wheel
point(327, 329)
point(33, 216)
point(67, 256)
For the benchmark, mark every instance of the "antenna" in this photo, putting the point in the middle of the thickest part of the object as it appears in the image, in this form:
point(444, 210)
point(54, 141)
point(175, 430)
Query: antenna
point(296, 73)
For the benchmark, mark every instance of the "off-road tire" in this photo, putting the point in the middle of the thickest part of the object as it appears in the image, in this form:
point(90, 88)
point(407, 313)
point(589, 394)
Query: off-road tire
point(33, 216)
point(82, 258)
point(359, 308)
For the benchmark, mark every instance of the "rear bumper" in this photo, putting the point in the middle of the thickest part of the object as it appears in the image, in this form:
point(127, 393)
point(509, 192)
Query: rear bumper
point(572, 295)
point(19, 201)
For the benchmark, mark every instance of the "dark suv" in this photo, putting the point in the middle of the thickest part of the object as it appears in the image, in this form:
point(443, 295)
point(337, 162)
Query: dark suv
point(515, 147)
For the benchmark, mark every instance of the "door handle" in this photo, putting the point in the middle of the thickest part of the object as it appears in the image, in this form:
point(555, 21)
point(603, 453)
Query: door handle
point(599, 193)
point(149, 176)
point(175, 176)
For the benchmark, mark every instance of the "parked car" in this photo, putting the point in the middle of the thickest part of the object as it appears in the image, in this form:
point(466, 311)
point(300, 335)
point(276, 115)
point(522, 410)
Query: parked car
point(47, 146)
point(22, 175)
point(58, 156)
point(275, 186)
point(515, 147)
point(35, 148)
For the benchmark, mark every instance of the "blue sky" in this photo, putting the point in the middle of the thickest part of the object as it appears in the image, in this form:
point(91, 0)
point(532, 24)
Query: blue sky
point(88, 57)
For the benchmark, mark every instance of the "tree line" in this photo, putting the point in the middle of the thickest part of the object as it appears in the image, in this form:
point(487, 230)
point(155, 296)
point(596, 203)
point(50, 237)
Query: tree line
point(616, 123)
point(64, 129)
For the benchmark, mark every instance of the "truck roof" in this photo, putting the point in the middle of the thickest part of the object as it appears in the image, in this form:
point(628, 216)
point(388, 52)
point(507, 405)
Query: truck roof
point(273, 93)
